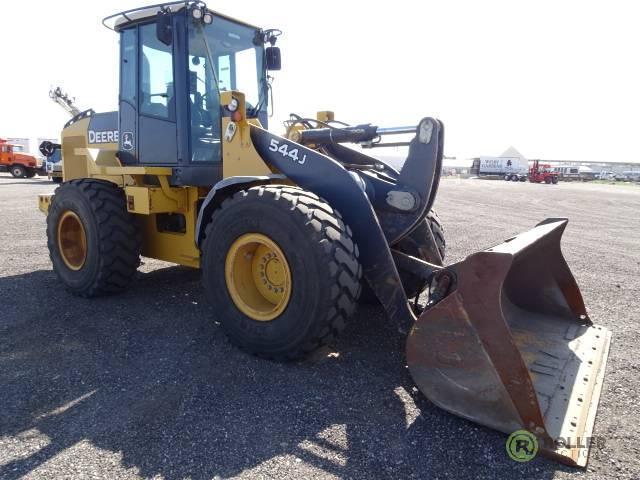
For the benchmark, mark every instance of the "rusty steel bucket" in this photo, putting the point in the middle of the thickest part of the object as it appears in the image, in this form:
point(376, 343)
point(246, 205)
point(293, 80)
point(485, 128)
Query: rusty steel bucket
point(511, 347)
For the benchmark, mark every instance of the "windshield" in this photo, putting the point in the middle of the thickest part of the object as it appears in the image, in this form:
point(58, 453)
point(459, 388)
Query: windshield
point(237, 62)
point(222, 56)
point(18, 148)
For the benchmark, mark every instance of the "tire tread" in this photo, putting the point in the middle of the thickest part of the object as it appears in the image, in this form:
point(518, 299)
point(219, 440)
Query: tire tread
point(328, 230)
point(119, 237)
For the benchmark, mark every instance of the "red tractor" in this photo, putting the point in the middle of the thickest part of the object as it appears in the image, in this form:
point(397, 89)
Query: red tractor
point(542, 173)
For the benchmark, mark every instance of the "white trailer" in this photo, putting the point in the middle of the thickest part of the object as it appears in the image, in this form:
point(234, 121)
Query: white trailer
point(509, 168)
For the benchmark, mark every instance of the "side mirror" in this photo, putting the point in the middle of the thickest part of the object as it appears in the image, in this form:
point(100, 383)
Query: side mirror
point(164, 31)
point(273, 58)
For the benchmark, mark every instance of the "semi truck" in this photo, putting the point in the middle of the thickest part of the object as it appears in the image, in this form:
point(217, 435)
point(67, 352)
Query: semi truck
point(508, 168)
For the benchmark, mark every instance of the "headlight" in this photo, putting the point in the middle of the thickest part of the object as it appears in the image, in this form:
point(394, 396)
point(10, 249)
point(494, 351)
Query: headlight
point(426, 129)
point(233, 105)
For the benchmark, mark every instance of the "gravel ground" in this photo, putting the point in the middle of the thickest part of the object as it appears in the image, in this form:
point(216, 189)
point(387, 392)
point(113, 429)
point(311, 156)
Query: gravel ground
point(146, 385)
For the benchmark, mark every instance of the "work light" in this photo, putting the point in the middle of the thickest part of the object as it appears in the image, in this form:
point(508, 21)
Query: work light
point(196, 12)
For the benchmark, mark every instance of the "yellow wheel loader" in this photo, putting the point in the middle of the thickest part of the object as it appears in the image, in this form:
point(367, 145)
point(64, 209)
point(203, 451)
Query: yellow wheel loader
point(288, 230)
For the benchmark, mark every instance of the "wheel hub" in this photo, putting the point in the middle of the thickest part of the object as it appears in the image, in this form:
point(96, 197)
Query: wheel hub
point(258, 277)
point(72, 240)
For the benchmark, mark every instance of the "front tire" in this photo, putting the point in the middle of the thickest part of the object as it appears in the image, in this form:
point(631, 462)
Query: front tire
point(317, 273)
point(18, 171)
point(416, 245)
point(94, 243)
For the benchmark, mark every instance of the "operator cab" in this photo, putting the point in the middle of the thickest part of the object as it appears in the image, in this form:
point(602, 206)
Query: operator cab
point(175, 59)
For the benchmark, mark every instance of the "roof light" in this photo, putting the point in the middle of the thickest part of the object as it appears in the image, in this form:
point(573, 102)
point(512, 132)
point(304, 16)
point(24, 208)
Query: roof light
point(196, 12)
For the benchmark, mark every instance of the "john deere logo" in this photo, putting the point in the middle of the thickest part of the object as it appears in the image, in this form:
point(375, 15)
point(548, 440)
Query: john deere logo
point(127, 141)
point(522, 446)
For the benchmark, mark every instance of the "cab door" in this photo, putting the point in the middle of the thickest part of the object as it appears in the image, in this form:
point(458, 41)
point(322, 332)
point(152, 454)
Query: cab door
point(157, 129)
point(147, 123)
point(128, 101)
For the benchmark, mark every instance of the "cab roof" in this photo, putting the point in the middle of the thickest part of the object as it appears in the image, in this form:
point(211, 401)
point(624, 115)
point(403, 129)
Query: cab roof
point(118, 21)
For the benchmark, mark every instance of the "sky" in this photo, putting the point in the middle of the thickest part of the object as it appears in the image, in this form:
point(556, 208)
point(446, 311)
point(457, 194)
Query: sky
point(555, 79)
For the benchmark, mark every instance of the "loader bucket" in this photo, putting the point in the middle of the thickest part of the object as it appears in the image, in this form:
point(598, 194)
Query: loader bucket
point(511, 346)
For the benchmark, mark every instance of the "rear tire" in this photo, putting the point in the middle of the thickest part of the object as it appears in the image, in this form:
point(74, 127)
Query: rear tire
point(320, 256)
point(18, 171)
point(554, 180)
point(110, 238)
point(56, 179)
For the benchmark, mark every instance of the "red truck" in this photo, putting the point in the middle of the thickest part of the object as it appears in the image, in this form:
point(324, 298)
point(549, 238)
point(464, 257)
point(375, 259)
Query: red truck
point(542, 173)
point(14, 160)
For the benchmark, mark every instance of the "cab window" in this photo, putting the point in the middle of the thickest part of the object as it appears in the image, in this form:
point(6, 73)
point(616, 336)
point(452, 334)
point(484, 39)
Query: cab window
point(229, 59)
point(128, 68)
point(156, 75)
point(204, 102)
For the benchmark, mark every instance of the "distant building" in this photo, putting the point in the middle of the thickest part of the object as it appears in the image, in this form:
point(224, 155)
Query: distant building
point(578, 169)
point(596, 167)
point(46, 139)
point(512, 152)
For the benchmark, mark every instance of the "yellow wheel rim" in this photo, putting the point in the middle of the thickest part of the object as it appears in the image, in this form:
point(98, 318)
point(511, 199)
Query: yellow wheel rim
point(258, 277)
point(72, 240)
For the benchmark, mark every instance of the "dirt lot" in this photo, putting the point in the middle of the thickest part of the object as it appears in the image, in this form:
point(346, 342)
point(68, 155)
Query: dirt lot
point(146, 385)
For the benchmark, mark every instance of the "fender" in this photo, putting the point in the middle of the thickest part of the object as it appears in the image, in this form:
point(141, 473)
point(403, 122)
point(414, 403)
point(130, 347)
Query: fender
point(222, 190)
point(329, 179)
